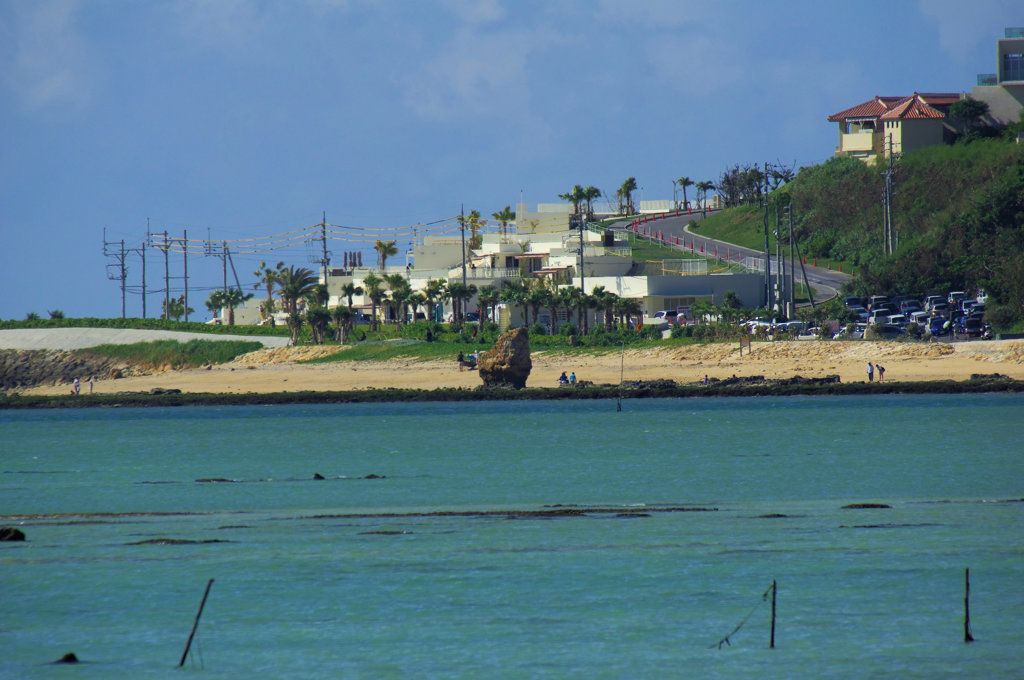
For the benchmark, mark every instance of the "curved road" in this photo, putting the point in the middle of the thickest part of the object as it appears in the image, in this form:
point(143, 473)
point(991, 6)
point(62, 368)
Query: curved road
point(825, 282)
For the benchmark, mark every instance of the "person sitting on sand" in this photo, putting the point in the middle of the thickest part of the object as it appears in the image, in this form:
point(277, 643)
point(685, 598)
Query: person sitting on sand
point(562, 380)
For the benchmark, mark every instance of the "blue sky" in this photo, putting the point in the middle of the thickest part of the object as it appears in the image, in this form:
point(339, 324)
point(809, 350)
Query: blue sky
point(236, 119)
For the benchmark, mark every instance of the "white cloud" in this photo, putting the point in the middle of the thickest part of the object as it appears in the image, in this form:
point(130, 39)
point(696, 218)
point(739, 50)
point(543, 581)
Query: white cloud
point(476, 11)
point(962, 28)
point(476, 74)
point(46, 61)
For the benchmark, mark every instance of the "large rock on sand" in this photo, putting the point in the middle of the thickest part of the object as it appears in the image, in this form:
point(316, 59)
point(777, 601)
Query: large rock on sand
point(508, 363)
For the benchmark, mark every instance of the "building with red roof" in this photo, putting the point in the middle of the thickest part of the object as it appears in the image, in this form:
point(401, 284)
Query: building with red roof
point(884, 125)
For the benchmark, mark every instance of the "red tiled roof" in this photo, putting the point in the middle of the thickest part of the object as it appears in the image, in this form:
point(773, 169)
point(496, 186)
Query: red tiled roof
point(910, 108)
point(917, 105)
point(869, 109)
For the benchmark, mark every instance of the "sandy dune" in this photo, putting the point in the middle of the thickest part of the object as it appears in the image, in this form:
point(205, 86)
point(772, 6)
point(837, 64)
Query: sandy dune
point(275, 370)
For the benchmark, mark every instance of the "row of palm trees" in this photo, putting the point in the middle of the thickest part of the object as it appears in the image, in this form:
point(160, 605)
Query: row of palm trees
point(624, 195)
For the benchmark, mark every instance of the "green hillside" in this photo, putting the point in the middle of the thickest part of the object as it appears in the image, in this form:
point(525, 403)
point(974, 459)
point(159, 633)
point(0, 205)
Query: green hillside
point(958, 212)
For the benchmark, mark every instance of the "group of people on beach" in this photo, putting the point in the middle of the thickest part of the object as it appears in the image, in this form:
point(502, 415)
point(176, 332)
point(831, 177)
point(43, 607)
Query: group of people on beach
point(872, 369)
point(469, 362)
point(77, 386)
point(571, 380)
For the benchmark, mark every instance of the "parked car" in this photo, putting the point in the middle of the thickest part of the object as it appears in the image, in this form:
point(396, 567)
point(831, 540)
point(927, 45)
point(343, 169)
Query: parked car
point(932, 300)
point(860, 311)
point(972, 327)
point(937, 326)
point(956, 296)
point(909, 306)
point(857, 334)
point(471, 316)
point(888, 331)
point(667, 314)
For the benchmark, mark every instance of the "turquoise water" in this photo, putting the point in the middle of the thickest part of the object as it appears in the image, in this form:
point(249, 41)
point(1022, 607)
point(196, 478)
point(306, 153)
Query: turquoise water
point(349, 577)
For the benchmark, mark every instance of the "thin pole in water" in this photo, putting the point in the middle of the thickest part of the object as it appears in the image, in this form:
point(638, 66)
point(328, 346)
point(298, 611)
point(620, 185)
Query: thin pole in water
point(967, 606)
point(622, 365)
point(195, 624)
point(771, 644)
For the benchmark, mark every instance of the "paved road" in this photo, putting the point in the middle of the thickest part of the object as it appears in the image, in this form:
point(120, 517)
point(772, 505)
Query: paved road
point(80, 338)
point(825, 282)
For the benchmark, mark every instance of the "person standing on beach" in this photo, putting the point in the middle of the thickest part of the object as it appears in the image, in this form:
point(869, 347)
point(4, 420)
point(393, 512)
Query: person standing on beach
point(572, 378)
point(90, 384)
point(78, 386)
point(871, 372)
point(462, 360)
point(881, 371)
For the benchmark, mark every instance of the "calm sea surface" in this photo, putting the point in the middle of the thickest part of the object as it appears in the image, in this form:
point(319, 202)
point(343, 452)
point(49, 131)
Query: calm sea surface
point(351, 577)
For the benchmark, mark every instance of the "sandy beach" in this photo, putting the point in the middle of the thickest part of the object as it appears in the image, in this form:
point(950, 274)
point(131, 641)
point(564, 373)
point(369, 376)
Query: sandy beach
point(277, 370)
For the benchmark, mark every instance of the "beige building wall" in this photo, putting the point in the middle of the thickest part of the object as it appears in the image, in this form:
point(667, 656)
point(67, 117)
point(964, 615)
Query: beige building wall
point(1005, 102)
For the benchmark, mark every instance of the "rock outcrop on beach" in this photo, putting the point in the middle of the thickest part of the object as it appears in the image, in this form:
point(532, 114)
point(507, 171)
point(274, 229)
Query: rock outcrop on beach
point(26, 368)
point(508, 363)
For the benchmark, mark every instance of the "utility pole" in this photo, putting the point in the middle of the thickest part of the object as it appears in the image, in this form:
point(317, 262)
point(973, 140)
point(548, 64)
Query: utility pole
point(792, 264)
point(116, 271)
point(167, 278)
point(888, 230)
point(184, 251)
point(580, 222)
point(769, 297)
point(462, 230)
point(323, 242)
point(142, 252)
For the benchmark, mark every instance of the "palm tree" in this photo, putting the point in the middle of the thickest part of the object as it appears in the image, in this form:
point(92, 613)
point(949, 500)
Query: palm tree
point(294, 283)
point(229, 299)
point(400, 292)
point(416, 300)
point(459, 294)
point(570, 297)
point(487, 297)
point(702, 193)
point(267, 276)
point(591, 194)
point(317, 296)
point(350, 290)
point(626, 309)
point(318, 318)
point(374, 289)
point(385, 249)
point(434, 293)
point(625, 196)
point(514, 293)
point(685, 182)
point(505, 216)
point(574, 196)
point(294, 327)
point(215, 302)
point(476, 239)
point(343, 317)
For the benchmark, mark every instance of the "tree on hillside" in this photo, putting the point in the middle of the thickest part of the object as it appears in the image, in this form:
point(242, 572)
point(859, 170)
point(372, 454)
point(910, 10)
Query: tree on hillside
point(343, 318)
point(967, 114)
point(400, 292)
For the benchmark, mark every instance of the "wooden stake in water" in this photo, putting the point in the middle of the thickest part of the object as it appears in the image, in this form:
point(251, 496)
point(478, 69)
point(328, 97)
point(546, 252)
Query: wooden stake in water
point(967, 606)
point(771, 643)
point(195, 624)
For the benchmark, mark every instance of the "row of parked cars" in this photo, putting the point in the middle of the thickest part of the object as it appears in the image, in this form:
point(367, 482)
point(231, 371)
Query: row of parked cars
point(939, 315)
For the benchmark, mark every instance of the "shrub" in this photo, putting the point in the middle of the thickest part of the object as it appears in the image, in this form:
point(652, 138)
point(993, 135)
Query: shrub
point(538, 329)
